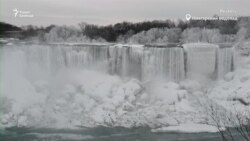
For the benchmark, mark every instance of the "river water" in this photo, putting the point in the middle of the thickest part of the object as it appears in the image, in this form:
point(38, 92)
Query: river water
point(101, 134)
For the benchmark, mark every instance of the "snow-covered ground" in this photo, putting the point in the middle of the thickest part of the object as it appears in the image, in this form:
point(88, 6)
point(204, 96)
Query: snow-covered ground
point(74, 97)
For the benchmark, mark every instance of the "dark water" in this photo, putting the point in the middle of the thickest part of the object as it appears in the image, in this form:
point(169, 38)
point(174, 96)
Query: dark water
point(100, 134)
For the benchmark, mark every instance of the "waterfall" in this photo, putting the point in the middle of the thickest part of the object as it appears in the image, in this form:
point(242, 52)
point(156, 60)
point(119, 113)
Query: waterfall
point(226, 61)
point(200, 60)
point(145, 63)
point(163, 63)
point(126, 61)
point(208, 61)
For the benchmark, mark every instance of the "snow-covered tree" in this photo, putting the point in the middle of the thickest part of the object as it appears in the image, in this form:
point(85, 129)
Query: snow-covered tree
point(67, 34)
point(156, 36)
point(202, 35)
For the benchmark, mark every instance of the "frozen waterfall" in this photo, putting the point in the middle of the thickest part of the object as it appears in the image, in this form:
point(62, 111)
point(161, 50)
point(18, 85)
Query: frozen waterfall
point(208, 61)
point(145, 63)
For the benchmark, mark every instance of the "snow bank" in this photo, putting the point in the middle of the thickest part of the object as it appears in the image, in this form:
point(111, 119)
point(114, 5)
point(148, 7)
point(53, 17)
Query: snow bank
point(74, 97)
point(233, 94)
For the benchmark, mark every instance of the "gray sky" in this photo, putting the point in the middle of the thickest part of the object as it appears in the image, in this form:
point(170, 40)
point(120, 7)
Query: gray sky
point(103, 12)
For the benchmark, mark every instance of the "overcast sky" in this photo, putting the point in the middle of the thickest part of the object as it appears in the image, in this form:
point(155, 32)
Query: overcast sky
point(103, 12)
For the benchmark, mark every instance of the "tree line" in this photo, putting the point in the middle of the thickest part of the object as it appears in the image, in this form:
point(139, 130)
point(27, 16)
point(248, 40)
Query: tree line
point(125, 30)
point(112, 32)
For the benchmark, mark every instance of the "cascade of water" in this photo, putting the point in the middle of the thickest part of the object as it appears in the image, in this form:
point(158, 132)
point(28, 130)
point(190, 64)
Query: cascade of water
point(195, 61)
point(126, 61)
point(116, 60)
point(78, 59)
point(225, 62)
point(86, 56)
point(163, 63)
point(200, 61)
point(51, 59)
point(135, 62)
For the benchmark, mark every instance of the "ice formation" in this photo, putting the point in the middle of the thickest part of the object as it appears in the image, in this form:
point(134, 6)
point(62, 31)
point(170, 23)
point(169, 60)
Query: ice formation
point(144, 63)
point(205, 61)
point(110, 85)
